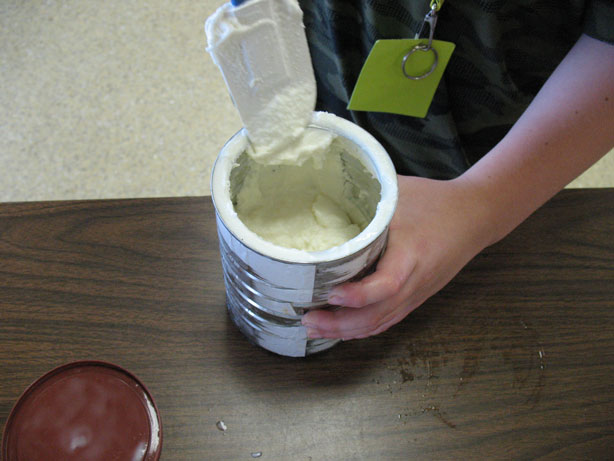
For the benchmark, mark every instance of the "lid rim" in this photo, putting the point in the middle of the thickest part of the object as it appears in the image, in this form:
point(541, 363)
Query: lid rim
point(153, 450)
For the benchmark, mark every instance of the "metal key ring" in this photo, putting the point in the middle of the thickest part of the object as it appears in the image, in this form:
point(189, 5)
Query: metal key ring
point(425, 49)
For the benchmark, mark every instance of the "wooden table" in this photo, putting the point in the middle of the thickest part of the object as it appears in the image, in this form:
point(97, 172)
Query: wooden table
point(514, 359)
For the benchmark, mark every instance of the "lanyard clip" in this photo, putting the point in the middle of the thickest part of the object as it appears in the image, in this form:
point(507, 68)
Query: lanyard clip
point(431, 20)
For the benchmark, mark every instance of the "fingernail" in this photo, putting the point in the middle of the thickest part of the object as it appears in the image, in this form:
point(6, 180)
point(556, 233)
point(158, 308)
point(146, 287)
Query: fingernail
point(335, 300)
point(312, 333)
point(306, 323)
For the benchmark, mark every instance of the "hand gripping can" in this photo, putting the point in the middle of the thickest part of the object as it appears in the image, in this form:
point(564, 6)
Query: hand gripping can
point(269, 287)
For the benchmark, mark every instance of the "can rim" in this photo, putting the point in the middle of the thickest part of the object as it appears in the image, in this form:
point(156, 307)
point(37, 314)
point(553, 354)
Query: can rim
point(374, 157)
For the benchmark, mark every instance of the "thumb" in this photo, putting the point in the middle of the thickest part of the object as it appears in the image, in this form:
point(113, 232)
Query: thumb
point(393, 270)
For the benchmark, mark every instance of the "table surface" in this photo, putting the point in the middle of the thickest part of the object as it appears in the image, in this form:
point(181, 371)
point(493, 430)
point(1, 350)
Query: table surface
point(513, 359)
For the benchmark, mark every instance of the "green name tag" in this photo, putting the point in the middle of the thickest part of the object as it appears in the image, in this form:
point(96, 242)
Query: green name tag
point(382, 85)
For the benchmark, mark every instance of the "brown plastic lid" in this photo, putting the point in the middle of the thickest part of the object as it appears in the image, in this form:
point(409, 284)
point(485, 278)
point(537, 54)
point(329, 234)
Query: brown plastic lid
point(84, 410)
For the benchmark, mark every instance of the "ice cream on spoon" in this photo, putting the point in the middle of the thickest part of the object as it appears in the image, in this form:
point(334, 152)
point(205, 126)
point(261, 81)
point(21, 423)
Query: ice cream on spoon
point(261, 49)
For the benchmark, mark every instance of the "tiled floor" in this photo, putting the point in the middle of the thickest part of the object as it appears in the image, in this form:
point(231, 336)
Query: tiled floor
point(117, 99)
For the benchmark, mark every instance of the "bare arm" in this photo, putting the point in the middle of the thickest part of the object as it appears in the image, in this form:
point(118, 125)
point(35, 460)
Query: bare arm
point(441, 225)
point(568, 127)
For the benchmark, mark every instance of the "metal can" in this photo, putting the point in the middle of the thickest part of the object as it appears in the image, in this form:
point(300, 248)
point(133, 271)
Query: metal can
point(268, 287)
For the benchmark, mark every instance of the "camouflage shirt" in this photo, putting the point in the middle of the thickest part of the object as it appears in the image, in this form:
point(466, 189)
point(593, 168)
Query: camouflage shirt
point(505, 51)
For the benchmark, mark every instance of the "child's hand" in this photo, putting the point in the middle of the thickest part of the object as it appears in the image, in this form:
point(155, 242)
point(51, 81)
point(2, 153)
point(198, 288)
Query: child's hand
point(438, 227)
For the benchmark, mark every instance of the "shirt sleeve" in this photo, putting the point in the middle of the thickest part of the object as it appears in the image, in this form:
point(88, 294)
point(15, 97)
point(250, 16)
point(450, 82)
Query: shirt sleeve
point(599, 20)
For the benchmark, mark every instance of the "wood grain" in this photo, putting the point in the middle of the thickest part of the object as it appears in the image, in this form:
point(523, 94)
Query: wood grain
point(514, 359)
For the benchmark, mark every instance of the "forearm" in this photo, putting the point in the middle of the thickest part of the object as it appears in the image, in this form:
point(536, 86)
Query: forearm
point(568, 127)
point(440, 225)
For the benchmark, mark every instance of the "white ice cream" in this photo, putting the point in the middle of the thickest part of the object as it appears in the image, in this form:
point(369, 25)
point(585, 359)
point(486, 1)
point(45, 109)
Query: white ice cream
point(262, 51)
point(299, 206)
point(368, 194)
point(288, 196)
